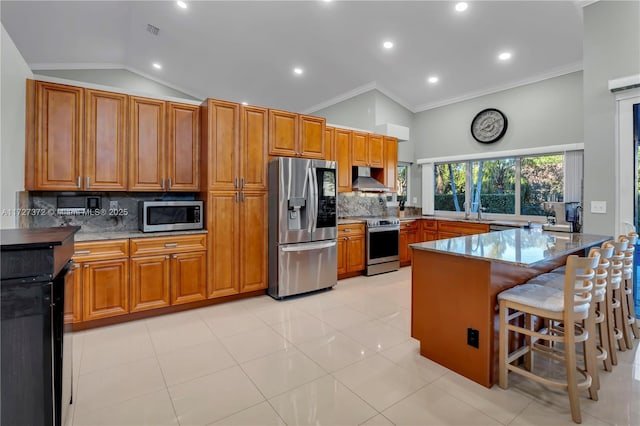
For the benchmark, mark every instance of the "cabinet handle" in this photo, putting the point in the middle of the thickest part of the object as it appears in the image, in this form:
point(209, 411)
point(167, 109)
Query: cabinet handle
point(236, 196)
point(242, 196)
point(81, 252)
point(79, 181)
point(86, 265)
point(171, 245)
point(175, 256)
point(87, 182)
point(235, 182)
point(162, 183)
point(169, 183)
point(166, 257)
point(242, 183)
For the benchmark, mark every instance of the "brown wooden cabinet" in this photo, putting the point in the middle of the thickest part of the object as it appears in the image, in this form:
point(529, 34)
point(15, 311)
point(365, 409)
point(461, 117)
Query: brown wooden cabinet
point(408, 235)
point(168, 271)
point(237, 225)
point(164, 147)
point(451, 229)
point(367, 150)
point(55, 121)
point(343, 159)
point(150, 282)
point(376, 151)
point(103, 272)
point(429, 229)
point(330, 143)
point(73, 286)
point(183, 147)
point(105, 141)
point(235, 146)
point(147, 144)
point(296, 135)
point(351, 249)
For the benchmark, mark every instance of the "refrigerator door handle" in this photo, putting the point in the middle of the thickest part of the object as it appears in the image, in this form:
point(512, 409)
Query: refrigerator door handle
point(308, 246)
point(311, 200)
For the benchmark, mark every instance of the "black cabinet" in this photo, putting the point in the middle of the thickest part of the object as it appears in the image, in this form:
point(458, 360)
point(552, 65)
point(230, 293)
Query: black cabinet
point(36, 363)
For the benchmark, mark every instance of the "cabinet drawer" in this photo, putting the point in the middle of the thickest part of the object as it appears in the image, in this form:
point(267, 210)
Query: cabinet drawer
point(165, 245)
point(464, 228)
point(351, 229)
point(97, 250)
point(429, 225)
point(409, 225)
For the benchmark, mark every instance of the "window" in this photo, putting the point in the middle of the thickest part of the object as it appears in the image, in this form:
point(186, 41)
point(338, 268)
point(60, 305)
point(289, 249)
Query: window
point(541, 179)
point(450, 181)
point(514, 185)
point(402, 182)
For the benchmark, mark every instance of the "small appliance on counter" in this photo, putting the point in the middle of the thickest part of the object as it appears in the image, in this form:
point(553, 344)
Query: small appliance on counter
point(303, 252)
point(563, 216)
point(156, 216)
point(74, 205)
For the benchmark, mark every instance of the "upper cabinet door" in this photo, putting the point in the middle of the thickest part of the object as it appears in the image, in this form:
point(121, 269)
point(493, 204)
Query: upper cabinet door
point(343, 158)
point(253, 149)
point(359, 150)
point(391, 163)
point(223, 127)
point(376, 151)
point(330, 144)
point(183, 147)
point(105, 144)
point(311, 140)
point(59, 125)
point(147, 145)
point(283, 130)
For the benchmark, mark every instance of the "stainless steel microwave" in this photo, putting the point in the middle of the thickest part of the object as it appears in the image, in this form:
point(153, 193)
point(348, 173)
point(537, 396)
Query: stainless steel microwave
point(169, 215)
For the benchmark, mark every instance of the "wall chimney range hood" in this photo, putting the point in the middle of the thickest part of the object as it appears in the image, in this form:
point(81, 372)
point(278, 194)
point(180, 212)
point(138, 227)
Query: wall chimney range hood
point(365, 183)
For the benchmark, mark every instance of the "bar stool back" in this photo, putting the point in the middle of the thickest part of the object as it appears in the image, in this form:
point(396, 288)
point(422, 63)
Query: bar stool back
point(627, 289)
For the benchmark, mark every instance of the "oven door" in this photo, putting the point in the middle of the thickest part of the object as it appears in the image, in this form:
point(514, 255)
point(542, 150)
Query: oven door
point(382, 245)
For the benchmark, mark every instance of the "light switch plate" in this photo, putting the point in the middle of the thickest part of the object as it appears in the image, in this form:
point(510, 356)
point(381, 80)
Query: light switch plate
point(415, 200)
point(599, 207)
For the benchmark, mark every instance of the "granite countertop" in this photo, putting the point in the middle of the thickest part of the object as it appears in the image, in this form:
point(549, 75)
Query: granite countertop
point(95, 236)
point(522, 247)
point(349, 220)
point(502, 222)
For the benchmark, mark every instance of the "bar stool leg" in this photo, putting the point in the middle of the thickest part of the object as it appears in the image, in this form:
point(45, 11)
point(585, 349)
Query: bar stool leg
point(611, 332)
point(572, 381)
point(603, 334)
point(503, 380)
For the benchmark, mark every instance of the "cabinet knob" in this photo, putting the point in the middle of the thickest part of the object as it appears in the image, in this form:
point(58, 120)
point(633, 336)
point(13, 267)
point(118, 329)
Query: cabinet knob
point(86, 265)
point(175, 256)
point(166, 257)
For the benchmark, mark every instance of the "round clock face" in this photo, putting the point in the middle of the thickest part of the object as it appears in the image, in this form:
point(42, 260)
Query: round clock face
point(489, 125)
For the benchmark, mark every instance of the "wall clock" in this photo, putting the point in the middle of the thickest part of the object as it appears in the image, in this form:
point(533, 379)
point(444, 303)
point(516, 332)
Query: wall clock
point(489, 125)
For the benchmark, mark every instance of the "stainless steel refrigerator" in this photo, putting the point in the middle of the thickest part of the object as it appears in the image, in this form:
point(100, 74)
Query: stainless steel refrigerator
point(303, 250)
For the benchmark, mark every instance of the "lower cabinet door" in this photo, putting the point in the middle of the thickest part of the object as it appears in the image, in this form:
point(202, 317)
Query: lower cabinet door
point(355, 253)
point(253, 242)
point(403, 247)
point(342, 255)
point(149, 282)
point(188, 277)
point(105, 288)
point(222, 224)
point(73, 295)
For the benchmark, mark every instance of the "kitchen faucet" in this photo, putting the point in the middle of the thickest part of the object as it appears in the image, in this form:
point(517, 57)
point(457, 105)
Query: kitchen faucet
point(480, 209)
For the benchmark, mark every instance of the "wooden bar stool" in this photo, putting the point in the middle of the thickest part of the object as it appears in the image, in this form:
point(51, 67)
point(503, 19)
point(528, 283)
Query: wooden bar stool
point(627, 299)
point(569, 306)
point(613, 303)
point(596, 322)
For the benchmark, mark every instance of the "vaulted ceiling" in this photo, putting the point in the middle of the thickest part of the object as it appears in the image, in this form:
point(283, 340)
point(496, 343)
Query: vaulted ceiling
point(247, 50)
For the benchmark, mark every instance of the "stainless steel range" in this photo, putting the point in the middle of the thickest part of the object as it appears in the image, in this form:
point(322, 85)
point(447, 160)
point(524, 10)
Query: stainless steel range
point(382, 245)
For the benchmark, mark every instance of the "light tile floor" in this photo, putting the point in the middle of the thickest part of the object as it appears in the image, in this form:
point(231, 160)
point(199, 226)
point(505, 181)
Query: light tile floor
point(339, 357)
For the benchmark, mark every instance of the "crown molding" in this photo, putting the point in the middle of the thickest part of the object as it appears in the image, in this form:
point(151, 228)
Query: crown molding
point(111, 66)
point(535, 79)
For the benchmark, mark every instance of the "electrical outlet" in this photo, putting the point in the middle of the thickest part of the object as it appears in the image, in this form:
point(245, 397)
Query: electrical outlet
point(415, 200)
point(113, 205)
point(599, 207)
point(473, 337)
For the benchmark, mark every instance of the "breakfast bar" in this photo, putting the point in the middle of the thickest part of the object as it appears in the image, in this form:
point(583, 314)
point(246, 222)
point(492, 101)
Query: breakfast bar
point(455, 282)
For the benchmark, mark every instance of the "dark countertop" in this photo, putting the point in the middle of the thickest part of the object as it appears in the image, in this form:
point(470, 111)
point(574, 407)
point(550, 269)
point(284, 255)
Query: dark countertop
point(521, 247)
point(101, 236)
point(14, 239)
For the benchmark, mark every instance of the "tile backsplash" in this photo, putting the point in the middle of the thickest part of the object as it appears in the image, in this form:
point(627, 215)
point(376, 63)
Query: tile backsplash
point(353, 204)
point(103, 221)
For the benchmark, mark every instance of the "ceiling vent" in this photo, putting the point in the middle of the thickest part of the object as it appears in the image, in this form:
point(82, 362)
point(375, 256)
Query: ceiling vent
point(152, 29)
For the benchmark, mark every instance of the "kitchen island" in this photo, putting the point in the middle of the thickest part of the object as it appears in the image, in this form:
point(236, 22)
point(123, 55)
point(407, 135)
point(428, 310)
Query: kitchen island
point(455, 283)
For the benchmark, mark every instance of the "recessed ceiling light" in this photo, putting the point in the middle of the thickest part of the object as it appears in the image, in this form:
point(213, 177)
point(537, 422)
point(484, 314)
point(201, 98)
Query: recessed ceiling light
point(182, 4)
point(433, 79)
point(298, 70)
point(461, 7)
point(387, 44)
point(245, 103)
point(157, 66)
point(504, 56)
